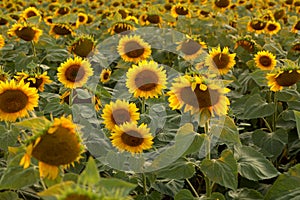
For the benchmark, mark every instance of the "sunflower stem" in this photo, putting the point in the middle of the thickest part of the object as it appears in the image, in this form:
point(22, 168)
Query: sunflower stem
point(143, 106)
point(33, 49)
point(275, 112)
point(144, 183)
point(267, 125)
point(192, 187)
point(207, 181)
point(71, 98)
point(43, 184)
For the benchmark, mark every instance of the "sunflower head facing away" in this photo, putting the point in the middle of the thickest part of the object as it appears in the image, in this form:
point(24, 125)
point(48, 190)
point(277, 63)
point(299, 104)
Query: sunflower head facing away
point(83, 46)
point(265, 60)
point(197, 96)
point(221, 61)
point(25, 32)
point(119, 112)
point(132, 138)
point(16, 99)
point(105, 75)
point(146, 79)
point(75, 72)
point(58, 145)
point(284, 77)
point(246, 43)
point(133, 48)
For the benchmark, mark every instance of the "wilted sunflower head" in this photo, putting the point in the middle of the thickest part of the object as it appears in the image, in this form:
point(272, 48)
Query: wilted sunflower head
point(16, 99)
point(83, 46)
point(25, 32)
point(58, 145)
point(132, 138)
point(119, 112)
point(265, 60)
point(284, 77)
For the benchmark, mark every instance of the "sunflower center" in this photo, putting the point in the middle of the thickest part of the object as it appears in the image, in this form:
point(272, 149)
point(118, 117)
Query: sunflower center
point(37, 84)
point(222, 3)
point(204, 13)
point(59, 148)
point(83, 47)
point(31, 14)
point(12, 101)
point(258, 25)
point(271, 27)
point(106, 76)
point(25, 33)
point(74, 73)
point(61, 30)
point(77, 197)
point(190, 47)
point(181, 10)
point(133, 49)
point(221, 60)
point(288, 79)
point(120, 116)
point(132, 138)
point(3, 21)
point(81, 19)
point(119, 28)
point(63, 11)
point(146, 80)
point(297, 26)
point(199, 98)
point(265, 61)
point(154, 19)
point(296, 47)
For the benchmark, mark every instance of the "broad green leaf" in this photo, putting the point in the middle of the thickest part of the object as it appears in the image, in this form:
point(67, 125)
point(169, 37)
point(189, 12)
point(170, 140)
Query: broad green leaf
point(152, 196)
point(180, 169)
point(245, 194)
point(257, 107)
point(259, 77)
point(297, 118)
point(90, 174)
point(184, 194)
point(286, 186)
point(56, 189)
point(197, 144)
point(9, 195)
point(113, 185)
point(214, 196)
point(8, 137)
point(271, 143)
point(287, 95)
point(225, 129)
point(222, 170)
point(168, 186)
point(35, 124)
point(253, 165)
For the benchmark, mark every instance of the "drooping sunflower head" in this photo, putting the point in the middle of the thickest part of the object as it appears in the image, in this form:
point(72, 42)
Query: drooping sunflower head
point(75, 72)
point(78, 193)
point(58, 145)
point(146, 80)
point(133, 48)
point(296, 47)
point(119, 112)
point(246, 43)
point(132, 138)
point(122, 27)
point(272, 27)
point(58, 30)
point(30, 12)
point(105, 75)
point(2, 41)
point(16, 99)
point(284, 77)
point(279, 14)
point(35, 80)
point(83, 46)
point(256, 25)
point(197, 96)
point(265, 60)
point(180, 10)
point(296, 27)
point(221, 61)
point(25, 32)
point(191, 48)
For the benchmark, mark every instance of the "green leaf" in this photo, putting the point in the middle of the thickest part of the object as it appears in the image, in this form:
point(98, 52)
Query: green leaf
point(297, 118)
point(214, 196)
point(181, 169)
point(9, 195)
point(184, 195)
point(245, 194)
point(287, 95)
point(223, 170)
point(286, 186)
point(271, 144)
point(8, 137)
point(253, 165)
point(169, 186)
point(113, 185)
point(90, 175)
point(152, 196)
point(56, 189)
point(35, 124)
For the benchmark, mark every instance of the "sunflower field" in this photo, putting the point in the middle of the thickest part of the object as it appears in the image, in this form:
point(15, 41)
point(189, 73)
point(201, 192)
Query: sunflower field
point(149, 99)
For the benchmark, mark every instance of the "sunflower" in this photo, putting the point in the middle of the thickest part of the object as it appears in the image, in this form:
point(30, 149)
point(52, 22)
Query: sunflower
point(77, 193)
point(265, 60)
point(121, 28)
point(16, 99)
point(75, 72)
point(221, 4)
point(133, 48)
point(296, 27)
point(58, 29)
point(83, 46)
point(146, 79)
point(4, 20)
point(97, 102)
point(296, 47)
point(191, 48)
point(2, 41)
point(283, 78)
point(58, 145)
point(279, 14)
point(63, 10)
point(132, 138)
point(256, 25)
point(246, 43)
point(153, 19)
point(3, 74)
point(105, 75)
point(36, 80)
point(196, 96)
point(30, 12)
point(223, 61)
point(81, 19)
point(272, 27)
point(25, 32)
point(119, 112)
point(180, 10)
point(48, 20)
